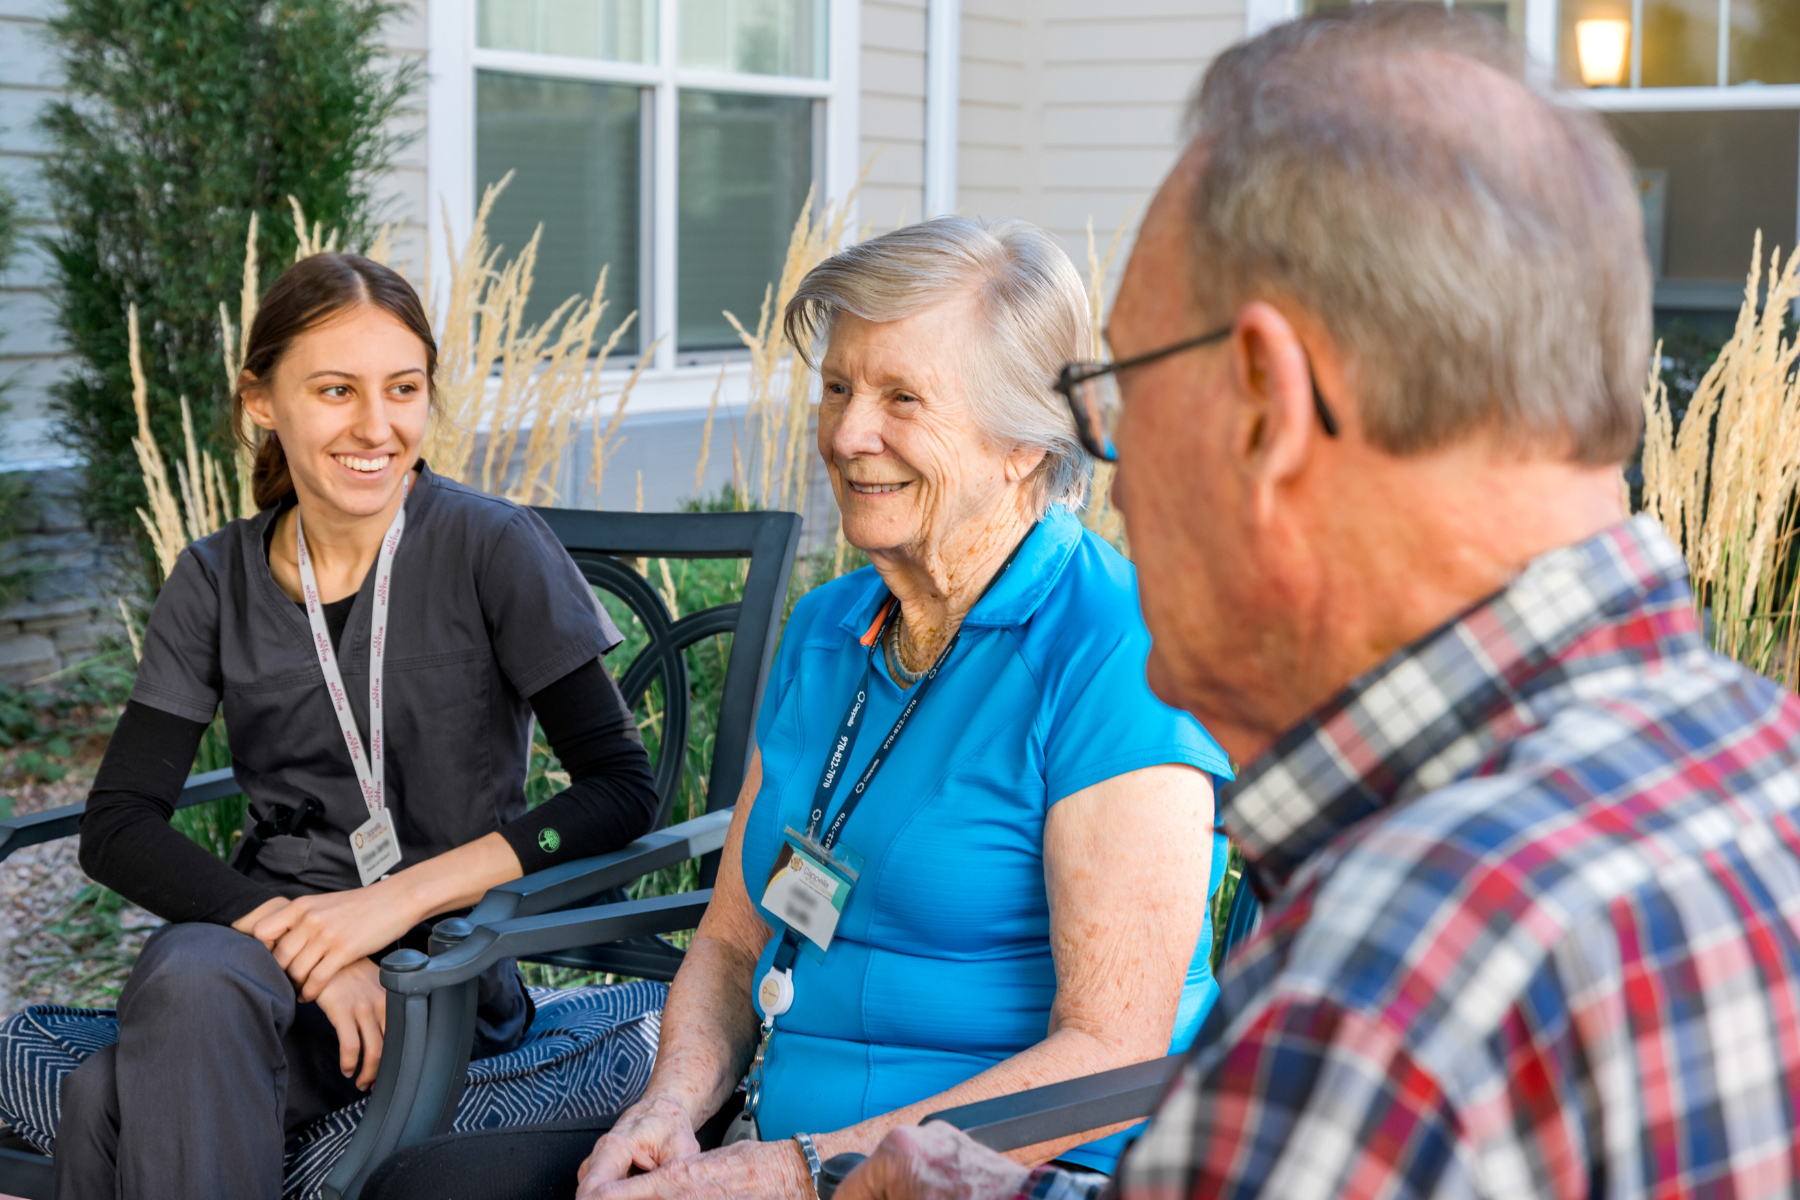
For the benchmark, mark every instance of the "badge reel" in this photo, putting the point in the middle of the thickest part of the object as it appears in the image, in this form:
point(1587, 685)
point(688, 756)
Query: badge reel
point(807, 889)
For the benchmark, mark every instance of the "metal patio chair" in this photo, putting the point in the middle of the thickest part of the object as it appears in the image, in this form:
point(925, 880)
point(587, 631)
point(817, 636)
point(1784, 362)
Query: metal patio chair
point(1060, 1110)
point(431, 1014)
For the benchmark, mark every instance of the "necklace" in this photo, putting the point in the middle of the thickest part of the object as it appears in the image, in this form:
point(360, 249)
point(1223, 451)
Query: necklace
point(906, 676)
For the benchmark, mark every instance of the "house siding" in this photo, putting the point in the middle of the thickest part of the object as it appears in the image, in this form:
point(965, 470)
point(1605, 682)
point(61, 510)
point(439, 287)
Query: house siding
point(1073, 109)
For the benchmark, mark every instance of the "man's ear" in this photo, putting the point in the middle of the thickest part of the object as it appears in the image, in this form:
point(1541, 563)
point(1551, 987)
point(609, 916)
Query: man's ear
point(256, 400)
point(1274, 387)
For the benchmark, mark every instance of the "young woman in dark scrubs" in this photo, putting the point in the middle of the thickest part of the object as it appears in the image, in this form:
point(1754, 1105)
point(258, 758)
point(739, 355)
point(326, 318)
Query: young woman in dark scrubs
point(258, 1008)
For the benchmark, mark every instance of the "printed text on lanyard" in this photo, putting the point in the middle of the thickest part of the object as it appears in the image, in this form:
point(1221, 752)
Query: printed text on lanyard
point(376, 847)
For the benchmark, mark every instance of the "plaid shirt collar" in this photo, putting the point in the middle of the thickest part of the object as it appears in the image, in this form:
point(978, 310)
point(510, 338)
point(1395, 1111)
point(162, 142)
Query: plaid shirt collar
point(1434, 710)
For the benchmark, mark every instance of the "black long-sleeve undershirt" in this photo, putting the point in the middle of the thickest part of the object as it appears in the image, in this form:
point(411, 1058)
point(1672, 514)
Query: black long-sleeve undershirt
point(128, 845)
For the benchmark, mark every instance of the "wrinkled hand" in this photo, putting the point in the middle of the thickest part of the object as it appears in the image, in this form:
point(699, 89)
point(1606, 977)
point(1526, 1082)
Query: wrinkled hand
point(933, 1162)
point(356, 1004)
point(742, 1171)
point(315, 937)
point(654, 1131)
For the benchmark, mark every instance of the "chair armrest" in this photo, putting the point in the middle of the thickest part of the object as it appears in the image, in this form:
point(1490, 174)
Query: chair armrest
point(563, 885)
point(64, 822)
point(431, 1016)
point(1061, 1110)
point(409, 973)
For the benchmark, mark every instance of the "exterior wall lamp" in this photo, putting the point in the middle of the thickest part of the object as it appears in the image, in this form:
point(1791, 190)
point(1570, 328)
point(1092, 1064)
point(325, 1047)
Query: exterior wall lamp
point(1600, 45)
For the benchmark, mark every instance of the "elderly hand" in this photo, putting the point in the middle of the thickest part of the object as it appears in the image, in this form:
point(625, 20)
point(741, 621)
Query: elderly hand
point(654, 1131)
point(315, 937)
point(933, 1162)
point(742, 1171)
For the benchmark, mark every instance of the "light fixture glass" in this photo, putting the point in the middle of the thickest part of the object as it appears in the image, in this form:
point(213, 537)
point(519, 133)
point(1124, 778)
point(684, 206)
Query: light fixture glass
point(1600, 45)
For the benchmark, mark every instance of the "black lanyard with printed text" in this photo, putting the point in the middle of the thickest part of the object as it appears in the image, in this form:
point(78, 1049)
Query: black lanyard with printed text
point(845, 742)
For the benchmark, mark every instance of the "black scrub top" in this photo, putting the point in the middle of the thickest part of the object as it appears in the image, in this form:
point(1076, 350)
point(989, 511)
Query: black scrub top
point(487, 609)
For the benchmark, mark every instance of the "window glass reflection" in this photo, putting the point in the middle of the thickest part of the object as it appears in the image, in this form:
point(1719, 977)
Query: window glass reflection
point(614, 30)
point(1765, 41)
point(746, 166)
point(1681, 43)
point(763, 37)
point(575, 150)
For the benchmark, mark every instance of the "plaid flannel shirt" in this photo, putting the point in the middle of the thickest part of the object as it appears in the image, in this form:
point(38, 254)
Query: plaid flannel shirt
point(1532, 925)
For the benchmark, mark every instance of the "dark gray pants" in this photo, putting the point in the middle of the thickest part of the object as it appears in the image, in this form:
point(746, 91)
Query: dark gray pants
point(216, 1065)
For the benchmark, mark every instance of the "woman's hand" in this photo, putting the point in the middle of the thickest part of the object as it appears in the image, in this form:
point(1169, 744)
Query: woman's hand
point(743, 1171)
point(654, 1131)
point(356, 1004)
point(315, 937)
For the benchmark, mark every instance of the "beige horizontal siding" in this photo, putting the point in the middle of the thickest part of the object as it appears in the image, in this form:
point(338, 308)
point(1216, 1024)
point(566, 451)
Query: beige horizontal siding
point(893, 111)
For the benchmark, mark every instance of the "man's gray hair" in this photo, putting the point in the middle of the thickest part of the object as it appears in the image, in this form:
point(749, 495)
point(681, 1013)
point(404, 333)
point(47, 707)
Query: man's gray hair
point(1473, 246)
point(1033, 312)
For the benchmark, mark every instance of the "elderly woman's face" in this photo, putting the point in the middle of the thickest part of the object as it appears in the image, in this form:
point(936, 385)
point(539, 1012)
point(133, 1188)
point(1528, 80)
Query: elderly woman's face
point(907, 460)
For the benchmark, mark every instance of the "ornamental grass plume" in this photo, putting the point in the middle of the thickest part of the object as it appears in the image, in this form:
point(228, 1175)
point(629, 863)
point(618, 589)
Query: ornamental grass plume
point(1100, 515)
point(528, 388)
point(780, 411)
point(1723, 484)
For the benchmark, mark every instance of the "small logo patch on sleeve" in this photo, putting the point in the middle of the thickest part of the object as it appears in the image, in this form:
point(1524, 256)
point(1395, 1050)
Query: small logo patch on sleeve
point(549, 841)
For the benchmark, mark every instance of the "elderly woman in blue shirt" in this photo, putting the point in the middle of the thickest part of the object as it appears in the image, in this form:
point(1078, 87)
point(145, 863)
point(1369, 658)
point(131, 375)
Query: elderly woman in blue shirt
point(1019, 892)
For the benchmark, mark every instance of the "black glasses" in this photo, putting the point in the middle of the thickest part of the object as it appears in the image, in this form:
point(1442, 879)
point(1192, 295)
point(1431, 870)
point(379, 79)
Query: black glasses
point(1092, 390)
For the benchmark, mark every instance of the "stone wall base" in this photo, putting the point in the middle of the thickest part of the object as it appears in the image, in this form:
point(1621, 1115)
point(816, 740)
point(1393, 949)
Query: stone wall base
point(68, 608)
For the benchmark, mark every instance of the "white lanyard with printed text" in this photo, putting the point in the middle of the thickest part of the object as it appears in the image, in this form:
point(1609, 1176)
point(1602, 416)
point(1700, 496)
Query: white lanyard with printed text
point(376, 848)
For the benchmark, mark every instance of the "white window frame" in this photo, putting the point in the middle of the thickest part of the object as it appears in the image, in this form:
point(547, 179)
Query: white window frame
point(1540, 43)
point(450, 158)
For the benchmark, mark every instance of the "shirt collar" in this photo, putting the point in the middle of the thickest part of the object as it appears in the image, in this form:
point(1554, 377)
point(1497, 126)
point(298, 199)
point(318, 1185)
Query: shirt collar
point(1015, 597)
point(1432, 711)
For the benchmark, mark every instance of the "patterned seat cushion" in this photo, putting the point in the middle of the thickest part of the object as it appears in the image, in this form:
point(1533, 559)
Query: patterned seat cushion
point(589, 1052)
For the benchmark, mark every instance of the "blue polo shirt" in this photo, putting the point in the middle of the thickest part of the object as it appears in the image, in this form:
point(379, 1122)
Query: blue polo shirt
point(941, 963)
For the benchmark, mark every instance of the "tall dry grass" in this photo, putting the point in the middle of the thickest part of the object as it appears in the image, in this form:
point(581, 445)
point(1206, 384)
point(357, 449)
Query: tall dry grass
point(779, 416)
point(1724, 483)
point(527, 389)
point(1100, 515)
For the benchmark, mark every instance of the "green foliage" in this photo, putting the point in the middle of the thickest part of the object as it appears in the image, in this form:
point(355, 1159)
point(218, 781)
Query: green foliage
point(217, 824)
point(47, 718)
point(181, 121)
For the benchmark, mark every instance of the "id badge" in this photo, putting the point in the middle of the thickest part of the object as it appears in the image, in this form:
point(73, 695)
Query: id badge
point(808, 889)
point(376, 847)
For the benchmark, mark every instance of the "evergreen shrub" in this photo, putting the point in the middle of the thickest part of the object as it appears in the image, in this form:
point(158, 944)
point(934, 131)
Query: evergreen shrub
point(181, 120)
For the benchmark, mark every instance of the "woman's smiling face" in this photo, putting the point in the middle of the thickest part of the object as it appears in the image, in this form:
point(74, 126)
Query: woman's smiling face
point(349, 401)
point(907, 460)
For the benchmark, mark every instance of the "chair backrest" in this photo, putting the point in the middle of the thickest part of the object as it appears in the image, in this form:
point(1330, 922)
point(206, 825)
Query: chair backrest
point(598, 541)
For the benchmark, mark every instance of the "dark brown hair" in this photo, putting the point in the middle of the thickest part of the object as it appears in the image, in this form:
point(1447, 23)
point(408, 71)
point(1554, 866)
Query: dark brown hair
point(308, 294)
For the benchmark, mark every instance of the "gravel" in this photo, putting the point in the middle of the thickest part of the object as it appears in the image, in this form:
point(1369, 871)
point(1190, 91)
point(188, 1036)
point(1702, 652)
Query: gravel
point(85, 961)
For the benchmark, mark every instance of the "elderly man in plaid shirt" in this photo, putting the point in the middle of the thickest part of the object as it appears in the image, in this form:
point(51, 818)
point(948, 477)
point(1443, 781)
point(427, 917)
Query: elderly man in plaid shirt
point(1529, 850)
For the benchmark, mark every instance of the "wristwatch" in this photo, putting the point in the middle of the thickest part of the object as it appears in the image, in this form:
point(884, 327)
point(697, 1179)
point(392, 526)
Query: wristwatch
point(813, 1166)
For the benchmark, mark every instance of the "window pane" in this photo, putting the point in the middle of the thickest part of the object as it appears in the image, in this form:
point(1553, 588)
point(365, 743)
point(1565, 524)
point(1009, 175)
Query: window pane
point(765, 37)
point(1765, 41)
point(1681, 43)
point(575, 148)
point(616, 30)
point(1715, 178)
point(746, 165)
